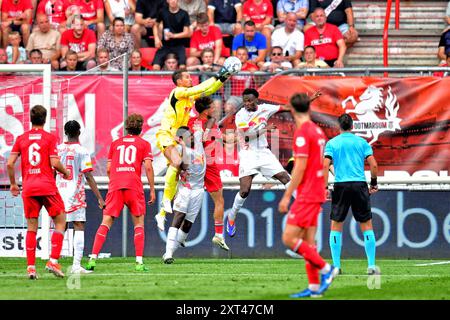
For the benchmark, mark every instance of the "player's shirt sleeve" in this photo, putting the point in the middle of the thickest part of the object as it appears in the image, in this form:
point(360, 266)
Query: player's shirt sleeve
point(53, 148)
point(301, 145)
point(148, 155)
point(328, 150)
point(86, 162)
point(367, 149)
point(110, 152)
point(272, 109)
point(205, 88)
point(16, 146)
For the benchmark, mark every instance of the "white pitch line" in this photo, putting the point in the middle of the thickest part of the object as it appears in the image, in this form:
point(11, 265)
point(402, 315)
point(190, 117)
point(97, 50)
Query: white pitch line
point(149, 274)
point(431, 264)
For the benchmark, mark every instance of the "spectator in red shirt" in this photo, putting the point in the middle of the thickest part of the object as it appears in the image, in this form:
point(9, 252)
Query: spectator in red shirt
point(55, 11)
point(82, 41)
point(3, 56)
point(16, 16)
point(92, 12)
point(326, 39)
point(206, 36)
point(260, 12)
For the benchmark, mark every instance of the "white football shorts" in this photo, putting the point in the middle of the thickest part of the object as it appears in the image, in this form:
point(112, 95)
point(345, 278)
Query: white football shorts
point(77, 215)
point(188, 201)
point(262, 161)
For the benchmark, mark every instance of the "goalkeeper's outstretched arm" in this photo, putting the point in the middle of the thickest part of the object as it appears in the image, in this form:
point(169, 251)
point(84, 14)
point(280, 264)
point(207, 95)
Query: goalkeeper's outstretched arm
point(205, 88)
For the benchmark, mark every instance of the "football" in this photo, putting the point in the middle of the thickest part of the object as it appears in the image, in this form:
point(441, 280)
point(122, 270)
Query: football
point(233, 64)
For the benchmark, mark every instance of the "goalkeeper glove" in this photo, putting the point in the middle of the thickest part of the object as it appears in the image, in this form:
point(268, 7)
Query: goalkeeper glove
point(224, 74)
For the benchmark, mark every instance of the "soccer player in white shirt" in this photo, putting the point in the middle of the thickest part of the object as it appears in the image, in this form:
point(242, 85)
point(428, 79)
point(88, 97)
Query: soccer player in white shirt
point(189, 197)
point(78, 162)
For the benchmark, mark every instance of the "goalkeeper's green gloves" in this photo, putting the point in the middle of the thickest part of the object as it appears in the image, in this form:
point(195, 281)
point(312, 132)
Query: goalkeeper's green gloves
point(224, 74)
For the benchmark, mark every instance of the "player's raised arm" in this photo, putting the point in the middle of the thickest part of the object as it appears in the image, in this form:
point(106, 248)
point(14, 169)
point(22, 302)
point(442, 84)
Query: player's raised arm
point(14, 188)
point(93, 185)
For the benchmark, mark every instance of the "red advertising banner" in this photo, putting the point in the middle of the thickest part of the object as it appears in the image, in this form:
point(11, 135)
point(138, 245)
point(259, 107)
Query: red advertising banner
point(405, 120)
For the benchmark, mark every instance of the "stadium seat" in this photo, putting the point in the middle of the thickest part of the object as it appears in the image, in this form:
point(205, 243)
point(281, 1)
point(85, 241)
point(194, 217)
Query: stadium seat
point(147, 57)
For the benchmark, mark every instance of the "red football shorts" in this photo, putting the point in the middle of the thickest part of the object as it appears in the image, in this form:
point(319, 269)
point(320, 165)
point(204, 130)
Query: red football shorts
point(54, 205)
point(303, 214)
point(213, 182)
point(115, 200)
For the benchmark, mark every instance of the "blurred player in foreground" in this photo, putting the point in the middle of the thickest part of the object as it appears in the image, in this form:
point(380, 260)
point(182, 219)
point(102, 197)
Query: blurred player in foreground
point(348, 153)
point(189, 197)
point(37, 149)
point(308, 179)
point(213, 183)
point(176, 114)
point(125, 159)
point(78, 162)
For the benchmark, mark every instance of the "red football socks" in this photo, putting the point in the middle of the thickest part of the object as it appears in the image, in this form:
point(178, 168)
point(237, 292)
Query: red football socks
point(139, 237)
point(218, 226)
point(57, 243)
point(100, 238)
point(30, 243)
point(309, 253)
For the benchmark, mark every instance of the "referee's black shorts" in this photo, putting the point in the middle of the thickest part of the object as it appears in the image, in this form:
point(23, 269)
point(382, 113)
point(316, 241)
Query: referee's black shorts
point(350, 194)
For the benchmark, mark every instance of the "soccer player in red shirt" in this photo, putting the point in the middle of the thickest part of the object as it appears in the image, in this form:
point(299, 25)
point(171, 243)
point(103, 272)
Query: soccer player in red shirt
point(213, 182)
point(38, 152)
point(308, 179)
point(125, 159)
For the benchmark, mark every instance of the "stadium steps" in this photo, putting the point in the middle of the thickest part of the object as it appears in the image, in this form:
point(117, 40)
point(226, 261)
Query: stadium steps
point(415, 44)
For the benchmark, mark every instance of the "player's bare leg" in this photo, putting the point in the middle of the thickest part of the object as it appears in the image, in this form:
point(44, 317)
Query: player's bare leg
point(170, 185)
point(139, 240)
point(219, 204)
point(78, 248)
point(30, 245)
point(285, 179)
point(245, 185)
point(57, 243)
point(100, 237)
point(172, 242)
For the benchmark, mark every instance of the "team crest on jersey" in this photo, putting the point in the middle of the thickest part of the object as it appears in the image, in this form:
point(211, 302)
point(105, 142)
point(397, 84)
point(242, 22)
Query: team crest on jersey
point(300, 141)
point(371, 104)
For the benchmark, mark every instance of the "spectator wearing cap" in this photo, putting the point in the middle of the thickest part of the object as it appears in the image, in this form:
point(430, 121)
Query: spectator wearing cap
point(298, 7)
point(326, 39)
point(206, 36)
point(290, 39)
point(117, 42)
point(340, 14)
point(227, 15)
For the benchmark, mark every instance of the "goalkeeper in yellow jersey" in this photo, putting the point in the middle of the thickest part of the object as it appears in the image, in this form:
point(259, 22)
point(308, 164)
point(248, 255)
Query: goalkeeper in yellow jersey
point(176, 114)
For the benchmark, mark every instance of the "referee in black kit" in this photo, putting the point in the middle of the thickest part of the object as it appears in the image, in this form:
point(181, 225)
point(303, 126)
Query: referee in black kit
point(347, 153)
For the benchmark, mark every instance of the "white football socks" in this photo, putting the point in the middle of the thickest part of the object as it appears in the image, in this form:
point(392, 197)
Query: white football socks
point(171, 243)
point(237, 205)
point(78, 247)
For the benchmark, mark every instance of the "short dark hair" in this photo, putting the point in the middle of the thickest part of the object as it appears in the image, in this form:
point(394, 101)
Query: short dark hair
point(134, 124)
point(309, 47)
point(38, 114)
point(300, 102)
point(72, 129)
point(39, 52)
point(202, 18)
point(202, 104)
point(345, 122)
point(177, 75)
point(249, 23)
point(250, 91)
point(118, 19)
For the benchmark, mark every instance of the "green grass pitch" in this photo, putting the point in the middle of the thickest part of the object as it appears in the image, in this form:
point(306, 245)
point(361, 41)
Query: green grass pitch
point(222, 279)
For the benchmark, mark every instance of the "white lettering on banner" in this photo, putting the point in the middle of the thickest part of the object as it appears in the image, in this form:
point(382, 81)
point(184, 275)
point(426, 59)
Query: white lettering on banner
point(386, 228)
point(8, 122)
point(446, 228)
point(401, 218)
point(268, 214)
point(400, 174)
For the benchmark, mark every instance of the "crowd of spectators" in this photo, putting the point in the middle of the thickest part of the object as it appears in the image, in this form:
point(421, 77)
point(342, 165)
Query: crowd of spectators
point(182, 33)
